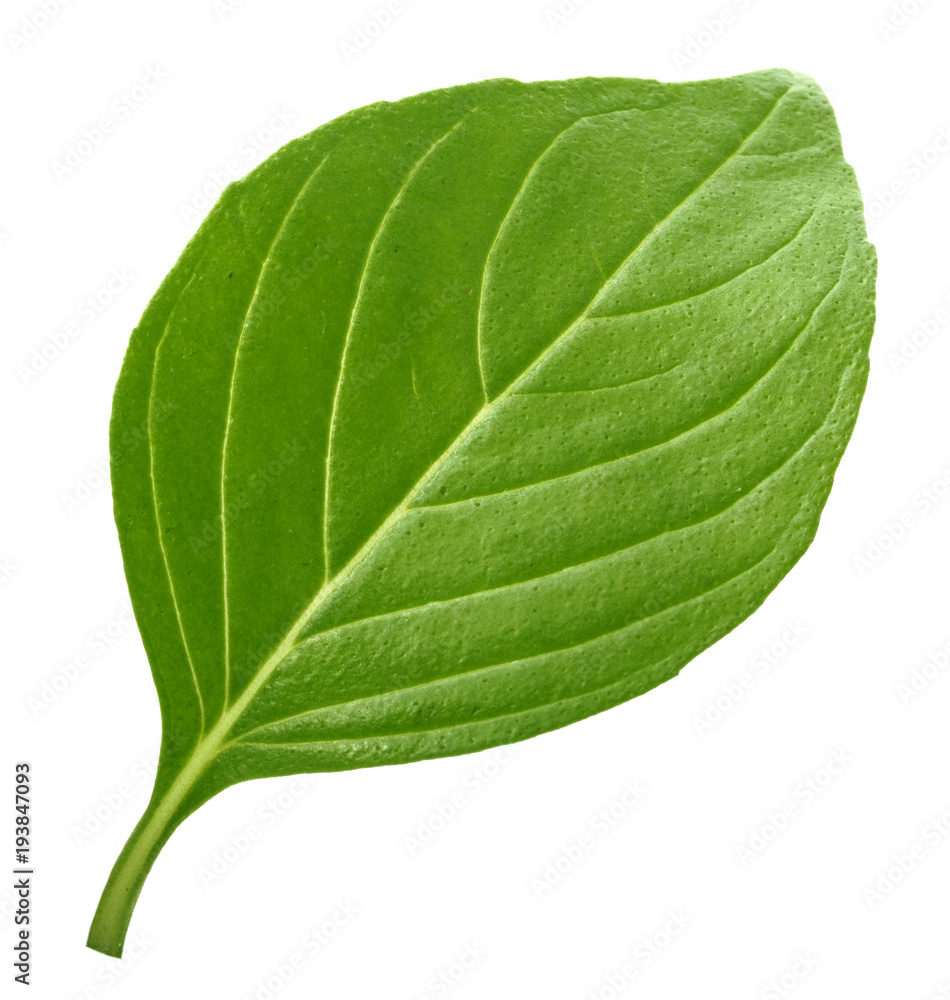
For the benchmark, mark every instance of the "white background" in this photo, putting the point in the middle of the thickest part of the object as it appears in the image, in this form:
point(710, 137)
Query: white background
point(867, 627)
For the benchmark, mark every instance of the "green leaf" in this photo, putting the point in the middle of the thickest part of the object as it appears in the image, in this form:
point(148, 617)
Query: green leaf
point(467, 416)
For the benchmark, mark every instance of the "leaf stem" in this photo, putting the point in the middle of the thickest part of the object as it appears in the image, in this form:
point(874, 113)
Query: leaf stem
point(158, 823)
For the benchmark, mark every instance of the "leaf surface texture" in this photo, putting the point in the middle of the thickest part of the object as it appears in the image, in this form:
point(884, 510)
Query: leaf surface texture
point(467, 416)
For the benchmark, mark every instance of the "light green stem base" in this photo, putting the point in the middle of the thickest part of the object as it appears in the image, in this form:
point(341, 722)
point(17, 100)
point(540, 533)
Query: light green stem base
point(111, 920)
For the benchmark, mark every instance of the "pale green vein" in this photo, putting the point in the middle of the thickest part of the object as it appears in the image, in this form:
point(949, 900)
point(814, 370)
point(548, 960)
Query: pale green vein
point(386, 741)
point(700, 425)
point(158, 519)
point(650, 235)
point(668, 305)
point(332, 585)
point(563, 570)
point(349, 329)
point(590, 390)
point(402, 613)
point(209, 747)
point(712, 288)
point(227, 425)
point(502, 666)
point(506, 218)
point(484, 677)
point(481, 291)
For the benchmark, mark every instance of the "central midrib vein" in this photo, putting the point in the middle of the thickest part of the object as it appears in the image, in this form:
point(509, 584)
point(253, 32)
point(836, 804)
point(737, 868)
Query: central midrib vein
point(207, 747)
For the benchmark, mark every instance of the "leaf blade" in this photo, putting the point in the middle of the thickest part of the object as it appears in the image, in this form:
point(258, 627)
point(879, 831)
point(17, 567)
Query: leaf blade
point(470, 415)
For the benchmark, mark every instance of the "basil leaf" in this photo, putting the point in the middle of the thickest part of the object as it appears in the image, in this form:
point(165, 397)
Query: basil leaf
point(473, 414)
